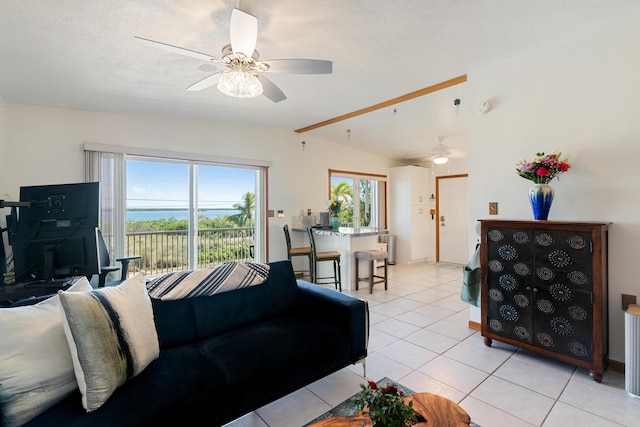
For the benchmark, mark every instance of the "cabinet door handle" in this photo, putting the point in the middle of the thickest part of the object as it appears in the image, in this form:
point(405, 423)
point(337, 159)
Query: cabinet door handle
point(535, 289)
point(528, 288)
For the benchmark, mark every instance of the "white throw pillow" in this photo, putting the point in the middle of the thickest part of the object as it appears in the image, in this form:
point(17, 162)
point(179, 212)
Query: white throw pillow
point(112, 337)
point(36, 370)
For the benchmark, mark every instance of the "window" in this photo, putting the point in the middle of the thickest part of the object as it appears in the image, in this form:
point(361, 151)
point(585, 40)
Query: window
point(179, 212)
point(362, 197)
point(186, 215)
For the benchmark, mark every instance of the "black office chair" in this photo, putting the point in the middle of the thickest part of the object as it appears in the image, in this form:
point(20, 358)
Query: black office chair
point(106, 267)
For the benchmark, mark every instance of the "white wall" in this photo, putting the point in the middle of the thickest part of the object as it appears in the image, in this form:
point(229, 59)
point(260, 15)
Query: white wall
point(582, 98)
point(46, 147)
point(3, 144)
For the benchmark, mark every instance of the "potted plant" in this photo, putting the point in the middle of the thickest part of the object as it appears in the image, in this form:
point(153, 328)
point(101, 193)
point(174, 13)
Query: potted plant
point(334, 208)
point(386, 406)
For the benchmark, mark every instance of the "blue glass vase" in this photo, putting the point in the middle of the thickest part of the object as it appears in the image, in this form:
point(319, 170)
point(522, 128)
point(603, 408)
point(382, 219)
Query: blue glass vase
point(335, 222)
point(541, 197)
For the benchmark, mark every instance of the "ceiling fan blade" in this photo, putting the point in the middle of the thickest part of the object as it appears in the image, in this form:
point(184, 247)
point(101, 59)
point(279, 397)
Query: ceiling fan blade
point(299, 66)
point(244, 32)
point(174, 49)
point(270, 90)
point(205, 83)
point(440, 148)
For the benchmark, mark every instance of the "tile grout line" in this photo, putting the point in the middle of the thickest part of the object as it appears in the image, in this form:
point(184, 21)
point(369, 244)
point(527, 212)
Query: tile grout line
point(484, 380)
point(555, 402)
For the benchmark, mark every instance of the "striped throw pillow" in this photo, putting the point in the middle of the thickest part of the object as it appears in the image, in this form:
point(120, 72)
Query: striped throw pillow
point(111, 335)
point(225, 277)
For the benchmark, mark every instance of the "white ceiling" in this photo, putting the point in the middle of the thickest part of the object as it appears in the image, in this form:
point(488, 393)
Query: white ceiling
point(81, 54)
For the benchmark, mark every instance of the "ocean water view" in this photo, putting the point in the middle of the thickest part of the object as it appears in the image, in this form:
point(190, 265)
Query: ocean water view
point(179, 214)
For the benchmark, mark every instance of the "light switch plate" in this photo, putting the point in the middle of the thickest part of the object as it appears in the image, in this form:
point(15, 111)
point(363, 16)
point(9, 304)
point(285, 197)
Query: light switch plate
point(493, 208)
point(626, 300)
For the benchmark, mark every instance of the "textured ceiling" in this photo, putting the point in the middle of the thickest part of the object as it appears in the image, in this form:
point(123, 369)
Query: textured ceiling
point(81, 54)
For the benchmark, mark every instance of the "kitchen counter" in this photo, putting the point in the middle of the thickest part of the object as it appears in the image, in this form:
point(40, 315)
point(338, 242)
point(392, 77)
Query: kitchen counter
point(345, 240)
point(349, 232)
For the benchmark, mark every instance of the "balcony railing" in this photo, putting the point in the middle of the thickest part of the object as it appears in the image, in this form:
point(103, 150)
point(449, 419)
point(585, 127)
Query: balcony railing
point(167, 251)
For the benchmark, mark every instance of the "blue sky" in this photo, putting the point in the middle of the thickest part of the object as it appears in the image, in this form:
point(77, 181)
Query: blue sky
point(158, 184)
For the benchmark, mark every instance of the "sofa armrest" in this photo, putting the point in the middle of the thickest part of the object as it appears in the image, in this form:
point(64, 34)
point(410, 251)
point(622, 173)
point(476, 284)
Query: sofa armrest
point(339, 309)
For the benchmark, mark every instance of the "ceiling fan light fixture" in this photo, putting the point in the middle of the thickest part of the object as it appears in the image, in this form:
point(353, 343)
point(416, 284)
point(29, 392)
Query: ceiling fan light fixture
point(440, 160)
point(240, 83)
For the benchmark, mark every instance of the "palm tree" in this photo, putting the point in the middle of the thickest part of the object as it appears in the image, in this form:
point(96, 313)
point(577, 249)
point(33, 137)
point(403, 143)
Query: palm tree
point(246, 208)
point(342, 191)
point(366, 189)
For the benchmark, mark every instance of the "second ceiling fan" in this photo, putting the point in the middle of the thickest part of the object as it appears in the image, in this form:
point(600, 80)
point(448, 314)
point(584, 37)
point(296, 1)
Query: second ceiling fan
point(240, 73)
point(441, 153)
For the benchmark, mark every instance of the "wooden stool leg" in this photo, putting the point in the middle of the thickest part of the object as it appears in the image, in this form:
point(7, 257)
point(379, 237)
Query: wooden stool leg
point(385, 274)
point(357, 275)
point(371, 272)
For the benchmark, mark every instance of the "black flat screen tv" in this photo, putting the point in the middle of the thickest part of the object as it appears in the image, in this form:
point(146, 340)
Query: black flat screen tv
point(56, 237)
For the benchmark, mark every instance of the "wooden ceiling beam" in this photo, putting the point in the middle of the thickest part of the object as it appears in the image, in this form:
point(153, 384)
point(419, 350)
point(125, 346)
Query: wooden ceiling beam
point(403, 98)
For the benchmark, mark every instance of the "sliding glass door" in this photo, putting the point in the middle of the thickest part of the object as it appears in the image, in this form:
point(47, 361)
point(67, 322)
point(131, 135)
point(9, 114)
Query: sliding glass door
point(186, 215)
point(226, 213)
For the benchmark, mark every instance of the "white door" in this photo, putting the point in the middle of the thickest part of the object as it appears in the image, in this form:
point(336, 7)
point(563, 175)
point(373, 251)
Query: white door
point(453, 216)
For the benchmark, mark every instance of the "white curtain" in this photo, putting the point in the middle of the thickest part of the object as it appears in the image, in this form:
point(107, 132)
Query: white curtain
point(109, 169)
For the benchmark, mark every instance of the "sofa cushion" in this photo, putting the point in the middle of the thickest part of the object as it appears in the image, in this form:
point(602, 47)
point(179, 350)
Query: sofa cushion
point(175, 321)
point(230, 310)
point(189, 319)
point(36, 370)
point(112, 337)
point(268, 359)
point(167, 392)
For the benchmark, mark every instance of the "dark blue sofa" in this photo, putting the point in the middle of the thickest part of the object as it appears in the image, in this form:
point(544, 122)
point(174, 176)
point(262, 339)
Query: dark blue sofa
point(225, 355)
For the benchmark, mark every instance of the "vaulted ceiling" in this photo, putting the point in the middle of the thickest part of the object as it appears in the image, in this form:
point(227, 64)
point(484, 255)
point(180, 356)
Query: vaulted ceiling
point(81, 54)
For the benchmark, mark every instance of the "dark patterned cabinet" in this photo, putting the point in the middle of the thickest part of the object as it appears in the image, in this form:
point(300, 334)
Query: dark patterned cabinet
point(544, 288)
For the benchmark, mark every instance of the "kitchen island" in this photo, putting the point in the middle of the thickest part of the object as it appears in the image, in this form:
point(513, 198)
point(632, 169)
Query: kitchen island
point(345, 240)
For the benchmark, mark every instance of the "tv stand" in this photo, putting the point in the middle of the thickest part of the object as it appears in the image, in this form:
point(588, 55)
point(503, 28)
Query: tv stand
point(54, 283)
point(10, 294)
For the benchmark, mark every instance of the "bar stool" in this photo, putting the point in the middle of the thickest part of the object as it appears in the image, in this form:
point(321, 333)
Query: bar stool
point(317, 257)
point(299, 251)
point(372, 257)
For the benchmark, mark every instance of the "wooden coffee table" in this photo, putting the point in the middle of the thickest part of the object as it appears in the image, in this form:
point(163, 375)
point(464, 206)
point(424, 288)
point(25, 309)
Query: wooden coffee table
point(438, 411)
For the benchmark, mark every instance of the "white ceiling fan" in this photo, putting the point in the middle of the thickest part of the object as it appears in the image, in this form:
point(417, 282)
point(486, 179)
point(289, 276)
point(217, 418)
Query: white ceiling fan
point(441, 153)
point(240, 73)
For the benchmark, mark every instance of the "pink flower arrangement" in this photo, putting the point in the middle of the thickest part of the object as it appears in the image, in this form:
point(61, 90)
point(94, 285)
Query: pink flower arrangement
point(543, 168)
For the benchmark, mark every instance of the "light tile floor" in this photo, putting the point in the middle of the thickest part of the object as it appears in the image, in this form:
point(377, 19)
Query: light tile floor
point(420, 338)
